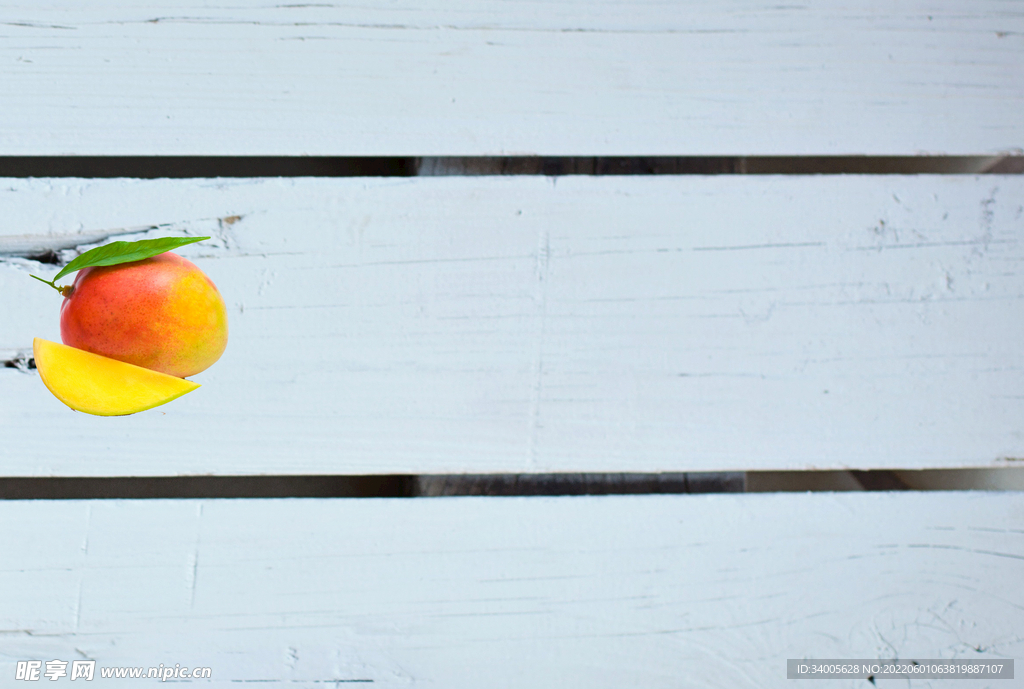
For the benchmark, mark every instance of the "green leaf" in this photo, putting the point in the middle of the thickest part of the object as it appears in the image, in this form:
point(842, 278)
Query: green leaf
point(125, 252)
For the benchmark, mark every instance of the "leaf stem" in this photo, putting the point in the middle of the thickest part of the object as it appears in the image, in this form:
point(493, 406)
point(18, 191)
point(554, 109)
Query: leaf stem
point(64, 291)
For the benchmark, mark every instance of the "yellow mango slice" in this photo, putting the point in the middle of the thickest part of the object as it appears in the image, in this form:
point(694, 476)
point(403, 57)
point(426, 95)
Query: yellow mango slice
point(98, 385)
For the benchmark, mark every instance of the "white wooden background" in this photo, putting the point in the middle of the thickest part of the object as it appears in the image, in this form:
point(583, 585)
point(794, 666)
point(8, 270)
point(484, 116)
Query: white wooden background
point(528, 324)
point(433, 325)
point(638, 591)
point(489, 77)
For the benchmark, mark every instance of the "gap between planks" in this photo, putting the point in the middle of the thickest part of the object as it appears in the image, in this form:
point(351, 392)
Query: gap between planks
point(502, 485)
point(183, 167)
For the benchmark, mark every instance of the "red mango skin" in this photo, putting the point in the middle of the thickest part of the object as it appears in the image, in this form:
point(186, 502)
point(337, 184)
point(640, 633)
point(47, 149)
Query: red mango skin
point(161, 313)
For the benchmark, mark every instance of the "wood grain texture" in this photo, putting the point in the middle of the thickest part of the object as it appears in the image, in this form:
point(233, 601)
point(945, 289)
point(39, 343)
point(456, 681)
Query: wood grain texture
point(517, 592)
point(481, 325)
point(510, 78)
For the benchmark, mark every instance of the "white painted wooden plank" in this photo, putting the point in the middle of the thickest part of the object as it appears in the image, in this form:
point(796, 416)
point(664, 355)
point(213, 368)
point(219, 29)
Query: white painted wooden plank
point(590, 324)
point(583, 77)
point(569, 592)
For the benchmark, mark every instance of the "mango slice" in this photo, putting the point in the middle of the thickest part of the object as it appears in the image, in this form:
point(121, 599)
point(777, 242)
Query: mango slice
point(98, 385)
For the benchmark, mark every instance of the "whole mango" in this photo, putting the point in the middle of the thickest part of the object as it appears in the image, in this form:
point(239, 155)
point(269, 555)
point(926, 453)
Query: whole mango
point(161, 313)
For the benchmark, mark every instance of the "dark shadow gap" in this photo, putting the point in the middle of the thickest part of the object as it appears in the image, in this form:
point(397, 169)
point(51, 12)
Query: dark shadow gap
point(723, 165)
point(184, 167)
point(1008, 477)
point(388, 486)
point(162, 487)
point(579, 484)
point(496, 485)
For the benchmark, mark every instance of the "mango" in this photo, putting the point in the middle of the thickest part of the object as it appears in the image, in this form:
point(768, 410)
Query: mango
point(101, 386)
point(161, 313)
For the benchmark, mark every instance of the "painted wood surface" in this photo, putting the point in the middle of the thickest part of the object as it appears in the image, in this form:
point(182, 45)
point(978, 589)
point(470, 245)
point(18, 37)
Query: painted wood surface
point(482, 325)
point(582, 77)
point(640, 591)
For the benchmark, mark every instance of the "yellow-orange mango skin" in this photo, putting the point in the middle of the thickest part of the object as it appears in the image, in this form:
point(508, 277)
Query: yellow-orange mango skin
point(161, 313)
